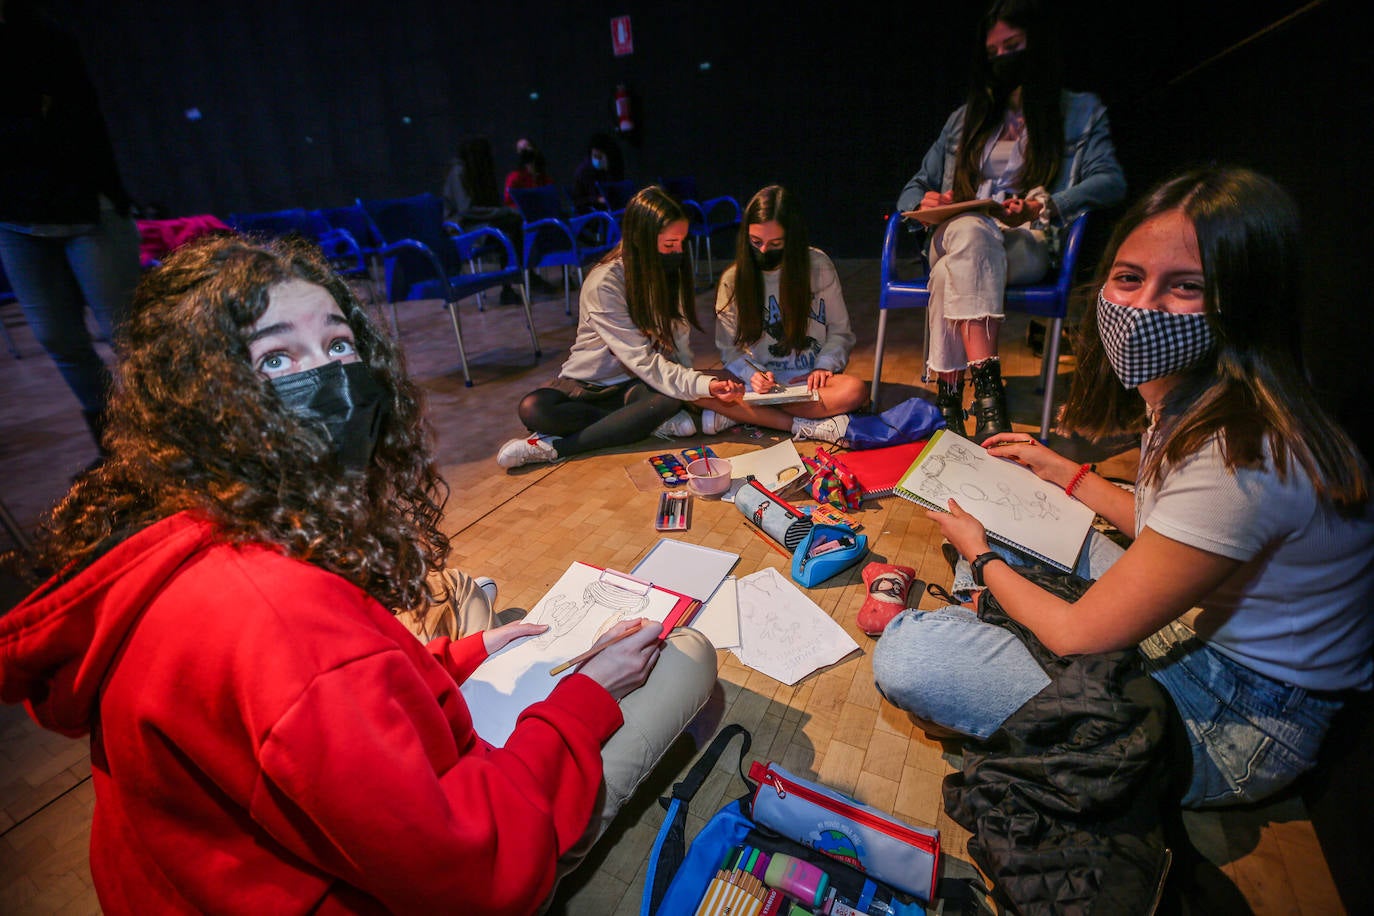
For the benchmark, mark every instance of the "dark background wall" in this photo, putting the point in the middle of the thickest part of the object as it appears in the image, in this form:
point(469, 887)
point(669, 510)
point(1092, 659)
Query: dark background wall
point(315, 103)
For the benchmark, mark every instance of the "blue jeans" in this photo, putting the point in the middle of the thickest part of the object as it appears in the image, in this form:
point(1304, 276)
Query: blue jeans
point(1249, 735)
point(56, 277)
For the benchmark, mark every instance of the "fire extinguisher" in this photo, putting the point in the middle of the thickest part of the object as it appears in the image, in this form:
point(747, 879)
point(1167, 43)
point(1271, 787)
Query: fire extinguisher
point(624, 120)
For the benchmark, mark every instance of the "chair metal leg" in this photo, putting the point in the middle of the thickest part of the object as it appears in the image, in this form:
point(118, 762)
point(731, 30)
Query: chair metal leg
point(710, 265)
point(16, 533)
point(529, 321)
point(1049, 372)
point(567, 289)
point(458, 333)
point(878, 359)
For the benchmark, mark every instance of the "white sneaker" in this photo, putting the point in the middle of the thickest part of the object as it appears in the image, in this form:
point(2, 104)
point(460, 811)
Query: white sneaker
point(712, 422)
point(533, 450)
point(679, 424)
point(488, 585)
point(830, 429)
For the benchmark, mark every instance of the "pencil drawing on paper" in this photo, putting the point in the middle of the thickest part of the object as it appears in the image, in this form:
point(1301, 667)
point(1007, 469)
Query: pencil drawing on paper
point(613, 603)
point(954, 472)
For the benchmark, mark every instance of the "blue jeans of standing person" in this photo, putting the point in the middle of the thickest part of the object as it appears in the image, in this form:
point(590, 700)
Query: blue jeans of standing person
point(57, 272)
point(1249, 735)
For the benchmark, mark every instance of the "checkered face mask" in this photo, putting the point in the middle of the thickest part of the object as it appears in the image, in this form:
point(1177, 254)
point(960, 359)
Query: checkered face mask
point(1146, 344)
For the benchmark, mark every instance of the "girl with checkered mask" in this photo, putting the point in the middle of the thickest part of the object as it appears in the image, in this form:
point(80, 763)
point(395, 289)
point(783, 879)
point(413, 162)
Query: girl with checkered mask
point(1246, 584)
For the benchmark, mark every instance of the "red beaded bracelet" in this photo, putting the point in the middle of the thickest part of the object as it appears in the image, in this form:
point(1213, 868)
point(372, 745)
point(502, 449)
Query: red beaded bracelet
point(1077, 478)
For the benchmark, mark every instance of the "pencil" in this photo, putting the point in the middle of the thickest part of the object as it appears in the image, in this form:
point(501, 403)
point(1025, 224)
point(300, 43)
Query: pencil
point(762, 371)
point(769, 541)
point(579, 659)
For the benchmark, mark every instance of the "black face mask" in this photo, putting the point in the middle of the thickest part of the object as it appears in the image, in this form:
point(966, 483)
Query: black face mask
point(767, 260)
point(346, 399)
point(671, 260)
point(1007, 71)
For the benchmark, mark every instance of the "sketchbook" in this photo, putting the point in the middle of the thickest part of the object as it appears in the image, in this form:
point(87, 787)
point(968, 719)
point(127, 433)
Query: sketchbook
point(778, 467)
point(788, 395)
point(933, 216)
point(583, 604)
point(1016, 507)
point(877, 470)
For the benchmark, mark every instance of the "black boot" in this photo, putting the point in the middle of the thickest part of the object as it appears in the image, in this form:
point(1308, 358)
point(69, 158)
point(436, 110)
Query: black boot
point(989, 399)
point(949, 397)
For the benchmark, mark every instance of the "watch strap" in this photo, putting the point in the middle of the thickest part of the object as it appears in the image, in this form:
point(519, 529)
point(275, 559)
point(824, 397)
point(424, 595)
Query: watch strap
point(977, 564)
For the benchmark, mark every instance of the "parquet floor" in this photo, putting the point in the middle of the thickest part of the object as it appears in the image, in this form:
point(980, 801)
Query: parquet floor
point(524, 527)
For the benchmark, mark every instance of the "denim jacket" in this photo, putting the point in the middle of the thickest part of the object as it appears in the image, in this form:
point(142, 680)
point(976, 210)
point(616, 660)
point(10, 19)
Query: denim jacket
point(1089, 178)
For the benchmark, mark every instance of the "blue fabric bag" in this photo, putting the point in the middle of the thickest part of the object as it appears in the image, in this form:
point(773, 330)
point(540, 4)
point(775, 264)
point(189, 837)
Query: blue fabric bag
point(913, 419)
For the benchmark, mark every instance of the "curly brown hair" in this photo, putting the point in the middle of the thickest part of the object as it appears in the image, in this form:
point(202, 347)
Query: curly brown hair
point(194, 427)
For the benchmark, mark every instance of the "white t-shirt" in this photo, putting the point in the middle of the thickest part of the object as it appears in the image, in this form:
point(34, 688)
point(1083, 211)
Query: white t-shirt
point(1301, 607)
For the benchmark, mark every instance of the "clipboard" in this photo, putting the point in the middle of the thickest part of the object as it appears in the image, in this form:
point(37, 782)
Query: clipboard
point(933, 216)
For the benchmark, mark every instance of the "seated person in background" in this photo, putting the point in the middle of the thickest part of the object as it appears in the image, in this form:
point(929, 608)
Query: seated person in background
point(1047, 154)
point(265, 735)
point(781, 318)
point(596, 167)
point(472, 198)
point(529, 172)
point(1251, 504)
point(630, 367)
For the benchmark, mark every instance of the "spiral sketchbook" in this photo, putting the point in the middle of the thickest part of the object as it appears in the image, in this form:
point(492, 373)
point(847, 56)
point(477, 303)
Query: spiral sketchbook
point(1016, 507)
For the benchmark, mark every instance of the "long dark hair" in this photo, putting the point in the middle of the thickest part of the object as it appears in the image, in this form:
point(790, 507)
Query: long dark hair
point(194, 427)
point(655, 298)
point(1040, 103)
point(794, 286)
point(1254, 389)
point(479, 172)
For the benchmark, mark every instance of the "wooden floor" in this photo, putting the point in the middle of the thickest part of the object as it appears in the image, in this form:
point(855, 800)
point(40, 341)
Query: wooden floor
point(525, 526)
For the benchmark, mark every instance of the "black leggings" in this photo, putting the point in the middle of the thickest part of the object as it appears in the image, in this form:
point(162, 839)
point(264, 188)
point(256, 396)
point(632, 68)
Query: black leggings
point(584, 418)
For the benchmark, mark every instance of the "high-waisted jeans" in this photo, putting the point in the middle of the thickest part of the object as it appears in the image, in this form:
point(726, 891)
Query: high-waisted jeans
point(1249, 734)
point(57, 276)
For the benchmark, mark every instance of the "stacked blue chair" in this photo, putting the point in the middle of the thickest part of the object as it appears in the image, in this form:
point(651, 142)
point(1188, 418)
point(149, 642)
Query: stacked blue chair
point(339, 245)
point(705, 217)
point(354, 221)
point(423, 261)
point(617, 194)
point(553, 239)
point(1046, 300)
point(6, 297)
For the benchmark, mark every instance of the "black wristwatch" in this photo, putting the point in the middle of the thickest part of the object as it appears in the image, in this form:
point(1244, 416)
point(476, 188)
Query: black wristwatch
point(978, 562)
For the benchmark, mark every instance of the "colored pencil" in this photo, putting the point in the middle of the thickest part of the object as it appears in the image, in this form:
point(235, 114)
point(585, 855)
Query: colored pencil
point(767, 540)
point(594, 650)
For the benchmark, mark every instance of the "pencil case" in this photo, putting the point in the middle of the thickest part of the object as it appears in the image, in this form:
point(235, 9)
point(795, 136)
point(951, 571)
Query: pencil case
point(779, 519)
point(826, 551)
point(906, 857)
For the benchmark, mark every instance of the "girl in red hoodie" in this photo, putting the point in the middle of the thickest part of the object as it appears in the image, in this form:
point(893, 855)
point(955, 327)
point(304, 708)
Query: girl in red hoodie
point(265, 735)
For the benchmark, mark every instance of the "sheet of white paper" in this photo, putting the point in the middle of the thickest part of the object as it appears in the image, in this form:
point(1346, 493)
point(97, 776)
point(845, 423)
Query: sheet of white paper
point(788, 395)
point(783, 633)
point(690, 569)
point(718, 620)
point(582, 604)
point(776, 467)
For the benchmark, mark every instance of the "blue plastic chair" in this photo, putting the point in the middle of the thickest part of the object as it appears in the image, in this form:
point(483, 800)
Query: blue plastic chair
point(1046, 300)
point(354, 220)
point(423, 261)
point(705, 217)
point(553, 239)
point(340, 247)
point(617, 194)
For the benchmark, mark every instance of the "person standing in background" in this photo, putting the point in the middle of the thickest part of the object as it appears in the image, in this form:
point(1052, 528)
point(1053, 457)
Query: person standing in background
point(67, 240)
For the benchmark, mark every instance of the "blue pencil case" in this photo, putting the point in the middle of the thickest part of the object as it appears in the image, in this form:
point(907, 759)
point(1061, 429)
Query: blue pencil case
point(826, 551)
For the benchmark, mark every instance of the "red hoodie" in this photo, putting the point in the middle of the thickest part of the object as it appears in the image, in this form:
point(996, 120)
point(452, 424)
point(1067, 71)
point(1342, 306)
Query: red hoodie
point(266, 738)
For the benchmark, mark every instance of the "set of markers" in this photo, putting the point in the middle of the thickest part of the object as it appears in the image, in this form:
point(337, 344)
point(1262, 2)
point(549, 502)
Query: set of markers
point(674, 507)
point(752, 882)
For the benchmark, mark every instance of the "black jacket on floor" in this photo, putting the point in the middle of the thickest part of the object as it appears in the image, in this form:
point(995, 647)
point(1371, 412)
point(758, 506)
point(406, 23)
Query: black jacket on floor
point(1063, 800)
